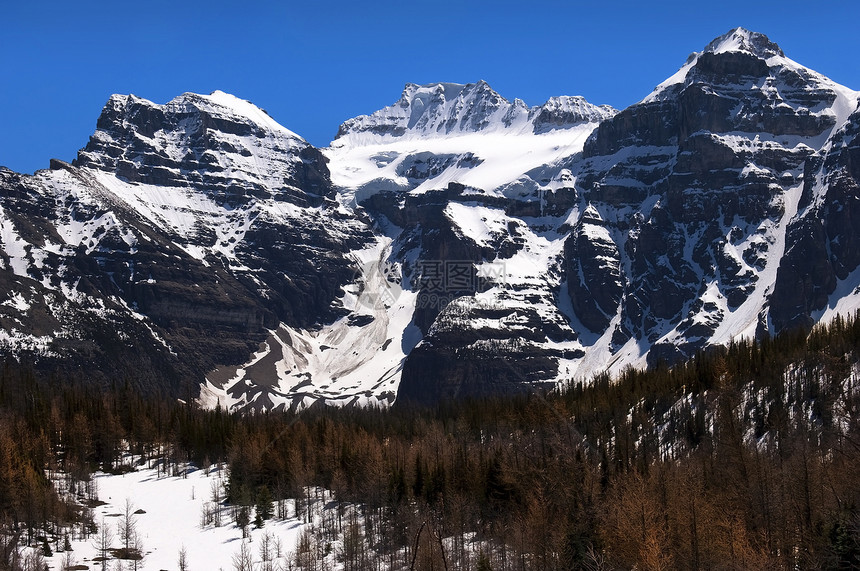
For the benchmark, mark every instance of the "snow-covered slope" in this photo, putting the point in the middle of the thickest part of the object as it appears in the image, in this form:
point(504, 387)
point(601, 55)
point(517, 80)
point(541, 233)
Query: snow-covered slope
point(357, 359)
point(466, 134)
point(167, 516)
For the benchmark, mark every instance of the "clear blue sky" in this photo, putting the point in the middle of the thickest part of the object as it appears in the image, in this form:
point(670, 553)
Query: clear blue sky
point(314, 63)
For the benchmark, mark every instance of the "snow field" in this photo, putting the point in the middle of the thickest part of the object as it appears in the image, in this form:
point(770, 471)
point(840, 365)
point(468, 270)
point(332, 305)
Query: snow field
point(169, 519)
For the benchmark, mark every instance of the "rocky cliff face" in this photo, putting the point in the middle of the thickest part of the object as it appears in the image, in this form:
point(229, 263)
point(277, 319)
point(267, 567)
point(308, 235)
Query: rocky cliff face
point(209, 143)
point(452, 244)
point(702, 212)
point(719, 152)
point(199, 224)
point(823, 240)
point(593, 271)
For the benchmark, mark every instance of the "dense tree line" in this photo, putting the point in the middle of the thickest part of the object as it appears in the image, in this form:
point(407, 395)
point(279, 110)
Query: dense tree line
point(744, 457)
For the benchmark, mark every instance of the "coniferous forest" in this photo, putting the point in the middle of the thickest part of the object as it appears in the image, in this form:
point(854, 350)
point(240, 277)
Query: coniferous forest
point(746, 457)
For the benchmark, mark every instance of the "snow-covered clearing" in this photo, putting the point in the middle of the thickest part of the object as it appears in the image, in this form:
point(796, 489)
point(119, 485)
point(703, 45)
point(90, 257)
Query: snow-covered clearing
point(169, 518)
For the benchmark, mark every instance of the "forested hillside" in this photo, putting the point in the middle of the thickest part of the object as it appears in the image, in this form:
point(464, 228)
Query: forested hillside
point(743, 458)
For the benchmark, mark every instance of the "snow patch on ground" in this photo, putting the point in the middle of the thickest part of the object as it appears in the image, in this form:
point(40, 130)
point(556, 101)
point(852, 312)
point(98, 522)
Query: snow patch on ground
point(15, 247)
point(17, 302)
point(844, 301)
point(170, 519)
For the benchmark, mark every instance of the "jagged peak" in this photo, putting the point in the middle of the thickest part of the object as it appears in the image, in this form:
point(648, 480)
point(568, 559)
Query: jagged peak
point(743, 40)
point(578, 103)
point(446, 91)
point(434, 109)
point(736, 40)
point(217, 103)
point(444, 109)
point(130, 99)
point(591, 216)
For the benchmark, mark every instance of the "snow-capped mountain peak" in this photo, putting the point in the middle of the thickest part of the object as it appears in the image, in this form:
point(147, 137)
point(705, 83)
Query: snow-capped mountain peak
point(743, 40)
point(137, 111)
point(560, 112)
point(230, 105)
point(219, 144)
point(740, 56)
point(449, 109)
point(444, 133)
point(436, 109)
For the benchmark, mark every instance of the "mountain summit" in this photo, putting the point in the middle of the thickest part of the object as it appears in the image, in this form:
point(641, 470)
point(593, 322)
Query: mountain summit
point(227, 147)
point(448, 109)
point(743, 40)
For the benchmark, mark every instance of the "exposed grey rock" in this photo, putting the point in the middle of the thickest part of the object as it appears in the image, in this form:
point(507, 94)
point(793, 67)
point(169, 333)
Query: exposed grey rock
point(593, 271)
point(822, 244)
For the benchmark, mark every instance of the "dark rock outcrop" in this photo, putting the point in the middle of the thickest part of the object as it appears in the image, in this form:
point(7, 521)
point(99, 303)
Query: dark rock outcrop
point(823, 243)
point(593, 271)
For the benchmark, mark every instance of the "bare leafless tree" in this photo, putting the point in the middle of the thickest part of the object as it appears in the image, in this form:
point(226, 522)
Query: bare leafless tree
point(127, 525)
point(104, 543)
point(243, 560)
point(182, 561)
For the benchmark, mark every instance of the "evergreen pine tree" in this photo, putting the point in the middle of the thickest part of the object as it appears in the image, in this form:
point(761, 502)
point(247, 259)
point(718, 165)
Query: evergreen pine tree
point(243, 518)
point(483, 562)
point(264, 506)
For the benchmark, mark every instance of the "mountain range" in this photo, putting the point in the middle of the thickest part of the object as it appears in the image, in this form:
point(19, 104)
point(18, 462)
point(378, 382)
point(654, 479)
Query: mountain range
point(452, 244)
